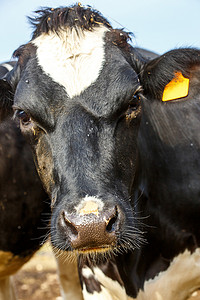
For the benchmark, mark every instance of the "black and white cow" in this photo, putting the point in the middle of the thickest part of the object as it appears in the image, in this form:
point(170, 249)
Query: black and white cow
point(167, 188)
point(79, 106)
point(77, 92)
point(6, 67)
point(23, 203)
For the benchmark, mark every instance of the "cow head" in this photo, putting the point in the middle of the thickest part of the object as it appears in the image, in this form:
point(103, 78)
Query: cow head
point(77, 97)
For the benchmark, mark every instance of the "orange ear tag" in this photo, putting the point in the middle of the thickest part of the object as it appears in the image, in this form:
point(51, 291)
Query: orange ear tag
point(177, 88)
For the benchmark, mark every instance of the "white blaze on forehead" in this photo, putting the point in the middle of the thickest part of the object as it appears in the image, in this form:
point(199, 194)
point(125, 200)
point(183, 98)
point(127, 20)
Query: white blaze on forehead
point(88, 205)
point(73, 57)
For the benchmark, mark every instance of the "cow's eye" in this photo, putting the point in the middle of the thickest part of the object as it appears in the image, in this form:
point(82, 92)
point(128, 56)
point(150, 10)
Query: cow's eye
point(24, 118)
point(133, 108)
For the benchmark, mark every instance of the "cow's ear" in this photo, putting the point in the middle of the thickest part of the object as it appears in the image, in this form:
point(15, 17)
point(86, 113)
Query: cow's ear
point(172, 76)
point(7, 90)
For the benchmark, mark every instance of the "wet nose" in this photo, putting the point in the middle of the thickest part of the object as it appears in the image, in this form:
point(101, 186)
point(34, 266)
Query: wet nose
point(91, 230)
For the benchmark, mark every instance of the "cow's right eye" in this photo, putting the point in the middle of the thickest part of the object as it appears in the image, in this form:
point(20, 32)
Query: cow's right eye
point(24, 118)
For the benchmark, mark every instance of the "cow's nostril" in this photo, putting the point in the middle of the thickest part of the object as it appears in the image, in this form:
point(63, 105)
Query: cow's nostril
point(70, 226)
point(111, 223)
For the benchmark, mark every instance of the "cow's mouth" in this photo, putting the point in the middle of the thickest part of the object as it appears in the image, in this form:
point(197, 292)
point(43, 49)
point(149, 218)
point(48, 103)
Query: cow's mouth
point(92, 254)
point(87, 249)
point(103, 249)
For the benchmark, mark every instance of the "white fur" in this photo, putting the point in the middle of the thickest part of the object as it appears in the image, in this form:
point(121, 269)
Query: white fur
point(87, 272)
point(72, 58)
point(110, 289)
point(90, 199)
point(178, 282)
point(7, 66)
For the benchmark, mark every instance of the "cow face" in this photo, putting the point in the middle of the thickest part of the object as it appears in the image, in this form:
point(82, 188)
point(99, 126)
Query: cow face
point(77, 97)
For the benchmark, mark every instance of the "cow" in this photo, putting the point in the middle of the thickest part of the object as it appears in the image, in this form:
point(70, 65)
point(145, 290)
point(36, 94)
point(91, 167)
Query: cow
point(79, 108)
point(6, 67)
point(24, 205)
point(78, 88)
point(167, 186)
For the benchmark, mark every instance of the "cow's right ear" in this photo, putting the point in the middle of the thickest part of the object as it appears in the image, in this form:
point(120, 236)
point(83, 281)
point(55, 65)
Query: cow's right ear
point(8, 86)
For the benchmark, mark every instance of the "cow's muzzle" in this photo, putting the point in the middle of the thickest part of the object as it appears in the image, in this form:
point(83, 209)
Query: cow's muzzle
point(90, 231)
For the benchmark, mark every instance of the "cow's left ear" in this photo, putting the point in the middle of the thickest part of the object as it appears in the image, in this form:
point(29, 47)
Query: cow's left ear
point(172, 76)
point(7, 89)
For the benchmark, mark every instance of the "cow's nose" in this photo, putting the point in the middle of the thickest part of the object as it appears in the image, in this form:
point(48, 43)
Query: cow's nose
point(90, 230)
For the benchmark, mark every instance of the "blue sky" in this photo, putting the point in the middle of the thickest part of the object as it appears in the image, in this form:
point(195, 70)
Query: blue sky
point(157, 25)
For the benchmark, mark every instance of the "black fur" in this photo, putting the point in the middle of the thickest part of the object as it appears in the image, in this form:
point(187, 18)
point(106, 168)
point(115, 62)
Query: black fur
point(24, 206)
point(167, 181)
point(71, 159)
point(77, 16)
point(88, 146)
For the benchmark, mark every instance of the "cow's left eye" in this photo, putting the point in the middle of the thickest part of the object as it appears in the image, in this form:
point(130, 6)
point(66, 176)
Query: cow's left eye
point(133, 108)
point(24, 118)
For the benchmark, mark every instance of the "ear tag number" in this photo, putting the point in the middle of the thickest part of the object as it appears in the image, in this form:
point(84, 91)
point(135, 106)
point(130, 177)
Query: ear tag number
point(177, 88)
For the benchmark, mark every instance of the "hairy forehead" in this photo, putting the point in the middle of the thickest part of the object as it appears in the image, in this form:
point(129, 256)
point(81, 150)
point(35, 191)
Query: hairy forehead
point(70, 45)
point(81, 64)
point(72, 57)
point(88, 62)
